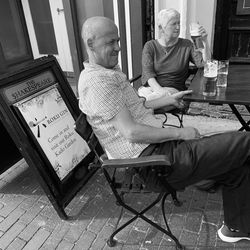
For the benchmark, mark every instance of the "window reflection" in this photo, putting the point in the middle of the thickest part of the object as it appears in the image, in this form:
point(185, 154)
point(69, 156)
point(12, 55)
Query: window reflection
point(43, 25)
point(12, 38)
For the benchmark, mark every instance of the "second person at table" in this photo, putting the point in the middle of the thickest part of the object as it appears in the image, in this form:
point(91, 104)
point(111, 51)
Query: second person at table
point(165, 61)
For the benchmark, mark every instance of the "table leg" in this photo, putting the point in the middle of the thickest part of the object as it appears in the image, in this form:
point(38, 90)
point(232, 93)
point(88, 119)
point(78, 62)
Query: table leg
point(248, 109)
point(241, 120)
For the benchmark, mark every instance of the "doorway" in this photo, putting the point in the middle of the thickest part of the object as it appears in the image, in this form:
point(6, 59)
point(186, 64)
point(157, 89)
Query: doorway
point(47, 30)
point(232, 31)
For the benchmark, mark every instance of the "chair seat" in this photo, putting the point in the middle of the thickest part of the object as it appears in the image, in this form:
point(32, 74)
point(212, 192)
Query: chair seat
point(134, 183)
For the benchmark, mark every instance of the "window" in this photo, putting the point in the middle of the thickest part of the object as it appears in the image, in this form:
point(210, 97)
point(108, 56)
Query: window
point(13, 36)
point(43, 24)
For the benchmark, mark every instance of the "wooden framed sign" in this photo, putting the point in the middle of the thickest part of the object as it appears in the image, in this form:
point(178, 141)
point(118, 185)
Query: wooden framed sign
point(39, 109)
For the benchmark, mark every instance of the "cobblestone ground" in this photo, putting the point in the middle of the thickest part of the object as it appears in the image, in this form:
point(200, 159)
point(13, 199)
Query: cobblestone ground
point(28, 220)
point(217, 111)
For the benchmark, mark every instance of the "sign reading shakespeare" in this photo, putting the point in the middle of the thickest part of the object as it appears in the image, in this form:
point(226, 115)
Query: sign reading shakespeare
point(52, 125)
point(28, 87)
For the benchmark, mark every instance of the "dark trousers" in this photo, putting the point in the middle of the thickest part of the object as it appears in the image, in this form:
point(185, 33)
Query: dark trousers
point(222, 157)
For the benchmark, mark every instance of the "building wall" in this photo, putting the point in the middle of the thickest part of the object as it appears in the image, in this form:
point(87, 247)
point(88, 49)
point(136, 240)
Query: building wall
point(86, 9)
point(131, 30)
point(136, 36)
point(191, 10)
point(130, 23)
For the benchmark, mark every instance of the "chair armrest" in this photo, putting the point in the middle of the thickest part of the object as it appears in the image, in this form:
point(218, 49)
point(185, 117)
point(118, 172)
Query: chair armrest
point(134, 78)
point(192, 69)
point(144, 161)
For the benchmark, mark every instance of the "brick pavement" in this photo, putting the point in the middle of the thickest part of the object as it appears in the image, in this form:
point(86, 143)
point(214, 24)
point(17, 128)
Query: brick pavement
point(29, 222)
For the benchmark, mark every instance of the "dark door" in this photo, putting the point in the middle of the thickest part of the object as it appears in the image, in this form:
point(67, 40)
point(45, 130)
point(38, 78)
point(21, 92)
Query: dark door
point(9, 152)
point(232, 31)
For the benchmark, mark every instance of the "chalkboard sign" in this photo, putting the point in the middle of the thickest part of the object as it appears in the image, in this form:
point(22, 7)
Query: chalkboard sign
point(39, 108)
point(52, 127)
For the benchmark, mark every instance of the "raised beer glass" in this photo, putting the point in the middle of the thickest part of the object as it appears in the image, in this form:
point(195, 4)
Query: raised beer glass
point(196, 36)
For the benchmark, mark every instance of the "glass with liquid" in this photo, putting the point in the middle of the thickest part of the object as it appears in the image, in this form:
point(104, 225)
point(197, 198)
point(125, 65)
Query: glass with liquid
point(210, 78)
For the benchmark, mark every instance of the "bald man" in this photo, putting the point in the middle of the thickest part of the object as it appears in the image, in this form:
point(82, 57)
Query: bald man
point(127, 128)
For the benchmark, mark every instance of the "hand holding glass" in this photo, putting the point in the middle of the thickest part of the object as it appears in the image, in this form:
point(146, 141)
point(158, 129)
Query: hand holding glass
point(196, 36)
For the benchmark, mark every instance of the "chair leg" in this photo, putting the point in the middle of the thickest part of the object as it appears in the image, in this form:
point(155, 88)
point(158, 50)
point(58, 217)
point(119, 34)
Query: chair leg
point(166, 118)
point(180, 118)
point(170, 234)
point(111, 241)
point(137, 214)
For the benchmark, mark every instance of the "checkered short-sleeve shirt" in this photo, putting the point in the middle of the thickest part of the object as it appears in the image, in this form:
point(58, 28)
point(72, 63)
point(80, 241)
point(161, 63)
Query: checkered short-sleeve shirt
point(102, 94)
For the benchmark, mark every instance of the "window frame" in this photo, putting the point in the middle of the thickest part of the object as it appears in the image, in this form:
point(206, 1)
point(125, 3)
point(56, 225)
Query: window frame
point(29, 55)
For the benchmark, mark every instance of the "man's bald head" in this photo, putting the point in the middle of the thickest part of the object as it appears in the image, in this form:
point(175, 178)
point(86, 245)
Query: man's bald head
point(96, 27)
point(101, 39)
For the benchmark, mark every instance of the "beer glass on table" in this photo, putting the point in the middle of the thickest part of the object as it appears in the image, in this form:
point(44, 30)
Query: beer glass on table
point(210, 77)
point(222, 73)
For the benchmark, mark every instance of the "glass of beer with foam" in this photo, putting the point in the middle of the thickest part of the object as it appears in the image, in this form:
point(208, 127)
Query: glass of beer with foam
point(210, 77)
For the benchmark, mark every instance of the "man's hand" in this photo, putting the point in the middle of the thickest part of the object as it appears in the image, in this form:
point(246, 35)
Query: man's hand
point(177, 98)
point(169, 90)
point(189, 133)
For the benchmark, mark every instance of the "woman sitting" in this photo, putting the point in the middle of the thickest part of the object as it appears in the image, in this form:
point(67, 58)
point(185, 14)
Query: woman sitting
point(165, 61)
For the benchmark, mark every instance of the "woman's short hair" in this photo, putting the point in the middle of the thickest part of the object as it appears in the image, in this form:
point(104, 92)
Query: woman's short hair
point(165, 15)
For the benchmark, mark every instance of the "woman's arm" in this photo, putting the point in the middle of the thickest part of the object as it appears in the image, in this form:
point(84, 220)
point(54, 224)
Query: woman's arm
point(200, 56)
point(148, 71)
point(152, 82)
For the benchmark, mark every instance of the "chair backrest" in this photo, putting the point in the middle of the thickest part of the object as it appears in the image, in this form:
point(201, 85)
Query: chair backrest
point(127, 180)
point(83, 128)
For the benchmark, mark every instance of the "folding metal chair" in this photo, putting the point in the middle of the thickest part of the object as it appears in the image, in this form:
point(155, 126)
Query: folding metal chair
point(145, 174)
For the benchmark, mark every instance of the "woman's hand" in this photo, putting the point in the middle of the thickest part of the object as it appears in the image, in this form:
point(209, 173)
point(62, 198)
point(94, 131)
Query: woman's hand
point(203, 33)
point(206, 53)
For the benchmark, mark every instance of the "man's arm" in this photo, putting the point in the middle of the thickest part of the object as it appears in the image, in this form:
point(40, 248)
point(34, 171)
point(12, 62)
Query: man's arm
point(174, 100)
point(140, 133)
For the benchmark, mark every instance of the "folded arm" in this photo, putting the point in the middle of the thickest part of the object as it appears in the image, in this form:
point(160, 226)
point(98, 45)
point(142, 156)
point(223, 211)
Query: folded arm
point(148, 71)
point(152, 82)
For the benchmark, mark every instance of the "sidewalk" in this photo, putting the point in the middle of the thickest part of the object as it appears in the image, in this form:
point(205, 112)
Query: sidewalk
point(28, 221)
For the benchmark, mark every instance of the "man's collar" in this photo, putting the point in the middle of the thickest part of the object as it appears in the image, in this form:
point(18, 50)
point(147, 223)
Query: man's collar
point(87, 64)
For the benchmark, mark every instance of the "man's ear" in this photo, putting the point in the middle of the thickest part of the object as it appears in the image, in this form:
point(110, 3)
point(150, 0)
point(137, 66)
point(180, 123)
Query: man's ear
point(90, 43)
